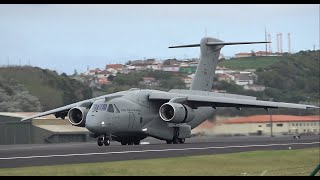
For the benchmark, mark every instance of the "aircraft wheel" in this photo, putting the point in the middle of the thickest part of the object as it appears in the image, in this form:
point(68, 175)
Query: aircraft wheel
point(106, 141)
point(124, 142)
point(169, 141)
point(130, 143)
point(100, 141)
point(181, 140)
point(136, 142)
point(175, 141)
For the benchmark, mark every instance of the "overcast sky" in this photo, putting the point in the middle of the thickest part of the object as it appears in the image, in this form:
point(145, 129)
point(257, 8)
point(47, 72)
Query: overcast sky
point(67, 37)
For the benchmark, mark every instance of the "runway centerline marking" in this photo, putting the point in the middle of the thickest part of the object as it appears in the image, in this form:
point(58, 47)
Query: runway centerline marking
point(155, 150)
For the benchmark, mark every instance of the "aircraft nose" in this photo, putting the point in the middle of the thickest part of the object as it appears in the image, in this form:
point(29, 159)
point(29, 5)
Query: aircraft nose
point(91, 124)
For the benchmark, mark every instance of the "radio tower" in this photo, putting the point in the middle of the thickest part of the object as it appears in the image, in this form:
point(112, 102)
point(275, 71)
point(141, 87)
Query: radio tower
point(281, 49)
point(278, 44)
point(269, 39)
point(265, 38)
point(289, 44)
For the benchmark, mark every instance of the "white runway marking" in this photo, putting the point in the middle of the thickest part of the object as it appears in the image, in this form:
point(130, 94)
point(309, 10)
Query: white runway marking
point(155, 150)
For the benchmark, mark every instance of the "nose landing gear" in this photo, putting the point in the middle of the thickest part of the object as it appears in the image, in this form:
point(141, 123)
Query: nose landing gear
point(105, 140)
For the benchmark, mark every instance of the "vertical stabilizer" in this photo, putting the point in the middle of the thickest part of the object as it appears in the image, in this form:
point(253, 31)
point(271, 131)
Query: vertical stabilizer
point(209, 56)
point(210, 52)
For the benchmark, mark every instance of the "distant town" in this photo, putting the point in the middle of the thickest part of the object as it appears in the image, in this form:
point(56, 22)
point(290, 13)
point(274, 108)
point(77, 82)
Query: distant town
point(187, 67)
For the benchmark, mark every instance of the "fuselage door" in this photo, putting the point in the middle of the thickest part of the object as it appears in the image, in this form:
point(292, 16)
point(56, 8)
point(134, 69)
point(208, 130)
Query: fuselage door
point(131, 120)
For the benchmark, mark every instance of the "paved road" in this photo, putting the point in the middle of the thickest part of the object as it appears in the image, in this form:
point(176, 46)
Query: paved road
point(69, 153)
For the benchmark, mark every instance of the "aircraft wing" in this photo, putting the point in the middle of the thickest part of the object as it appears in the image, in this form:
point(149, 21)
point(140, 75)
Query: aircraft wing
point(63, 111)
point(59, 111)
point(193, 98)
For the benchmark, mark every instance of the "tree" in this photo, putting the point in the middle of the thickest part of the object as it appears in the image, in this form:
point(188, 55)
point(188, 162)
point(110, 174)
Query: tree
point(75, 72)
point(110, 78)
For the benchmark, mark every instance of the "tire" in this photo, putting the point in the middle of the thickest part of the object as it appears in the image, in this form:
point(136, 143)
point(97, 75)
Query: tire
point(130, 143)
point(136, 142)
point(169, 141)
point(181, 140)
point(124, 142)
point(175, 141)
point(100, 141)
point(106, 141)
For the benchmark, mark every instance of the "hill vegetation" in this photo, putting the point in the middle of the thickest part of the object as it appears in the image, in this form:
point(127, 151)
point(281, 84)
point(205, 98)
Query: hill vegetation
point(42, 89)
point(292, 78)
point(167, 81)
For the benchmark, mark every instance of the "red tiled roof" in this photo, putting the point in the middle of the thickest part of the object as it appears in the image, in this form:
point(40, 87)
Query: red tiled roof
point(206, 125)
point(114, 66)
point(275, 118)
point(243, 53)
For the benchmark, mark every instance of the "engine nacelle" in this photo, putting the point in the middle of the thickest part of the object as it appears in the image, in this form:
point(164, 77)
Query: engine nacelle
point(176, 113)
point(77, 116)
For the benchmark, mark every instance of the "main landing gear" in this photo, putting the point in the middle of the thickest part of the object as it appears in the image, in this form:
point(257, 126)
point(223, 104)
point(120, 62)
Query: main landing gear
point(105, 140)
point(175, 139)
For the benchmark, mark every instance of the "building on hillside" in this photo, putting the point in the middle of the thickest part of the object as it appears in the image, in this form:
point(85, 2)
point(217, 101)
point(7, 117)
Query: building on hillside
point(171, 68)
point(243, 79)
point(188, 69)
point(224, 77)
point(117, 67)
point(243, 54)
point(257, 53)
point(221, 70)
point(139, 67)
point(254, 87)
point(103, 80)
point(93, 72)
point(261, 125)
point(154, 67)
point(149, 81)
point(103, 74)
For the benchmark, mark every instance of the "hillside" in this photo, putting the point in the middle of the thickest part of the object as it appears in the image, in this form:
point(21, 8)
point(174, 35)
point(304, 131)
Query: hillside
point(293, 78)
point(251, 62)
point(51, 90)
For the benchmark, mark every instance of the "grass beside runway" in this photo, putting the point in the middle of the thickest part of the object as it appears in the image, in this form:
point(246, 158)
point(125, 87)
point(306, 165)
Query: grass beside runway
point(281, 162)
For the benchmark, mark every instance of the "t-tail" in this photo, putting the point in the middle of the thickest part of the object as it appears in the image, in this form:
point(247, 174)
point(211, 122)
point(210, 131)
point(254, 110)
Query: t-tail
point(210, 52)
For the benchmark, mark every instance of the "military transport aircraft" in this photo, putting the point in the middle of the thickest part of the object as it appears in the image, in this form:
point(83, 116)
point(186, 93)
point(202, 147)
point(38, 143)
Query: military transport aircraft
point(130, 116)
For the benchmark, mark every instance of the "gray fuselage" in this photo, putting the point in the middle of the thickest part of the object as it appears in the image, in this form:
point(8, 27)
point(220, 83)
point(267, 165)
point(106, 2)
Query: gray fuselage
point(134, 115)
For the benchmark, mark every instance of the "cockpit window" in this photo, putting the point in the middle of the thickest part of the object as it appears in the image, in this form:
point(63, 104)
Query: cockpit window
point(100, 107)
point(116, 108)
point(110, 108)
point(95, 107)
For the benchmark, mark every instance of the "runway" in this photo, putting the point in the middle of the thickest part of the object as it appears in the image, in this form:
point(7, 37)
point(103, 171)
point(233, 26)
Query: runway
point(56, 154)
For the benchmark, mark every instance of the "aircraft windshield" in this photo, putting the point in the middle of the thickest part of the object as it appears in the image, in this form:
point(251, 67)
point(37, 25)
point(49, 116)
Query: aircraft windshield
point(99, 107)
point(112, 108)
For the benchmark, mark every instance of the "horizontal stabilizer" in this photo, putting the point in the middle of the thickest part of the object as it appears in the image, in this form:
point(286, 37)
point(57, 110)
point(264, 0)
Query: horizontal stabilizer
point(190, 45)
point(219, 44)
point(233, 43)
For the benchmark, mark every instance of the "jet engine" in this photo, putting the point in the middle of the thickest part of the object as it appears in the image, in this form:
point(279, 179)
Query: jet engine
point(77, 116)
point(176, 113)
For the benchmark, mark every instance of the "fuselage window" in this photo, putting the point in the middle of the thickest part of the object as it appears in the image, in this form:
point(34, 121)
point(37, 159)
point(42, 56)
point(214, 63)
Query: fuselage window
point(116, 109)
point(110, 108)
